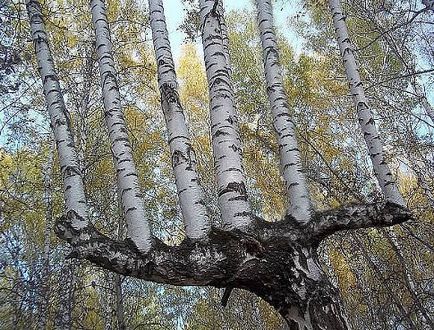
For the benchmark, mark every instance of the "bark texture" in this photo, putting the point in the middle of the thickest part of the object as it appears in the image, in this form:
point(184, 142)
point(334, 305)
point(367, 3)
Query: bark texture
point(133, 208)
point(191, 195)
point(290, 161)
point(73, 189)
point(277, 261)
point(366, 120)
point(226, 142)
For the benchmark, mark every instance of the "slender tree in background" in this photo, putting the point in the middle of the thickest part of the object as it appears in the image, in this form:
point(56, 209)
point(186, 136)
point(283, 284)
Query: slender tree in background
point(278, 261)
point(49, 221)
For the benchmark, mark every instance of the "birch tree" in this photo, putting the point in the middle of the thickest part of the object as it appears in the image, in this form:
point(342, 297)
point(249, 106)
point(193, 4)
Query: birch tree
point(49, 221)
point(190, 192)
point(75, 200)
point(129, 190)
point(290, 162)
point(226, 142)
point(277, 261)
point(366, 120)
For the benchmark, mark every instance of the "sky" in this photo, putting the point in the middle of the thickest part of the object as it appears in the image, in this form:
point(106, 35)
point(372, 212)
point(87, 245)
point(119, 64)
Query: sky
point(282, 11)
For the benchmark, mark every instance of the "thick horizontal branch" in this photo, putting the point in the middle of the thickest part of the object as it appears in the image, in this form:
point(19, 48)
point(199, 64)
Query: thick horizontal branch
point(224, 258)
point(211, 261)
point(357, 216)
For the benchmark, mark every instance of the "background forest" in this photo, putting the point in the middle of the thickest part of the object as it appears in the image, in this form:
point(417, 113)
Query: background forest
point(385, 276)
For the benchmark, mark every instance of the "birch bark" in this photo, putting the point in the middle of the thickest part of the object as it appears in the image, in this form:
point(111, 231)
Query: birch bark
point(225, 36)
point(75, 200)
point(290, 161)
point(226, 142)
point(372, 138)
point(133, 208)
point(191, 195)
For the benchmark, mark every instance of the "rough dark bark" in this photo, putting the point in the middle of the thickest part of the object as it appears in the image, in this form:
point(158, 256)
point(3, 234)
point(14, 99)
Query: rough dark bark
point(276, 261)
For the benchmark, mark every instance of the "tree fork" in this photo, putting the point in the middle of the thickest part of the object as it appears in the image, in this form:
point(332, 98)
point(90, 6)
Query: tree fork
point(276, 261)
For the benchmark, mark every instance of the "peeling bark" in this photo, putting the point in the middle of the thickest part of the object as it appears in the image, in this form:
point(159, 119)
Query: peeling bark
point(131, 196)
point(276, 261)
point(290, 161)
point(190, 193)
point(366, 120)
point(226, 142)
point(73, 189)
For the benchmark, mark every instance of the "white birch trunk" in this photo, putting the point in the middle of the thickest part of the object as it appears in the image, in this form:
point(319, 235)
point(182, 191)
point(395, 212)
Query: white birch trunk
point(372, 138)
point(290, 161)
point(60, 123)
point(138, 229)
point(226, 142)
point(191, 195)
point(225, 35)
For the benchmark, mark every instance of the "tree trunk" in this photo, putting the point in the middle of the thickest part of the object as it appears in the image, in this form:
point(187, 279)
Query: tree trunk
point(72, 183)
point(276, 261)
point(191, 195)
point(119, 303)
point(366, 120)
point(226, 141)
point(290, 161)
point(83, 107)
point(429, 110)
point(44, 294)
point(133, 207)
